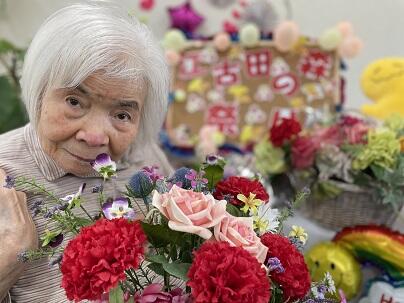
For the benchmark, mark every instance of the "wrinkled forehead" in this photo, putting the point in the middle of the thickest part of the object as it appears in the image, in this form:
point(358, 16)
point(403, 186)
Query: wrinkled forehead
point(104, 86)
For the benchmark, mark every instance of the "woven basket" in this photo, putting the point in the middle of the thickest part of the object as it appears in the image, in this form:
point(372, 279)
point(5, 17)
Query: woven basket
point(354, 206)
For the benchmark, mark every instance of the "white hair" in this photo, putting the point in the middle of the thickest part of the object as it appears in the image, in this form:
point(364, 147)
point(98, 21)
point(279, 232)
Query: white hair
point(82, 39)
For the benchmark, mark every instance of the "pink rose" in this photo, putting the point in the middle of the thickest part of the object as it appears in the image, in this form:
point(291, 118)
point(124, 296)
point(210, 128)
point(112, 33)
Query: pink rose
point(189, 211)
point(356, 134)
point(303, 151)
point(239, 232)
point(330, 136)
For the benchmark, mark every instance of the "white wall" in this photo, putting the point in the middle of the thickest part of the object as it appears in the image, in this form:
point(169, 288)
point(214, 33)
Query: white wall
point(380, 23)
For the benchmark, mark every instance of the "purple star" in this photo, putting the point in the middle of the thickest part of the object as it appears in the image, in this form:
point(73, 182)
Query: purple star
point(185, 18)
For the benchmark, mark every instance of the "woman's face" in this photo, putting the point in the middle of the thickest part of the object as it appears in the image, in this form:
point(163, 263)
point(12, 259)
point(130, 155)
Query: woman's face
point(101, 115)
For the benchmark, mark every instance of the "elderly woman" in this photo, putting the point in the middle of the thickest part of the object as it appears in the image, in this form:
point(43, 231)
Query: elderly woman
point(94, 81)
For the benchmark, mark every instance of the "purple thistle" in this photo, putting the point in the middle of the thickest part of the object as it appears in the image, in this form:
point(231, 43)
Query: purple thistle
point(10, 182)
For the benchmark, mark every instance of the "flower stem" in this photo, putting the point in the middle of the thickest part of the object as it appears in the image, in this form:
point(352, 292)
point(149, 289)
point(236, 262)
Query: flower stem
point(85, 211)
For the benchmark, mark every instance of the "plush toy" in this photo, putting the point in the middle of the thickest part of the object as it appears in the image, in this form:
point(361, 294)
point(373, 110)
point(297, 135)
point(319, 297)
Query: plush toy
point(375, 244)
point(383, 82)
point(382, 290)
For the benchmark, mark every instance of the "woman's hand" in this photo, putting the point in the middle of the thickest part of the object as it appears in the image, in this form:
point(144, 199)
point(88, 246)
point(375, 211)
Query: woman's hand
point(17, 229)
point(17, 233)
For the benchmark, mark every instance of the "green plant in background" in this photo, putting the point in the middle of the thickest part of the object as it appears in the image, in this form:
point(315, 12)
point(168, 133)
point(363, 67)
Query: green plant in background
point(12, 112)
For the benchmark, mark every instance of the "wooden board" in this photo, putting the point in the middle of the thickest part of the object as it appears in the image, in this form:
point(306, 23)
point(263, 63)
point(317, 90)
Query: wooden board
point(242, 89)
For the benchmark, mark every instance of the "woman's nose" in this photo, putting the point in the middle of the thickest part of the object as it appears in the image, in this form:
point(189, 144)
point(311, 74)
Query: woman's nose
point(93, 133)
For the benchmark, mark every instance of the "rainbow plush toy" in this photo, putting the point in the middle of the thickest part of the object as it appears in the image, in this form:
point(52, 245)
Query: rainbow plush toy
point(383, 82)
point(378, 245)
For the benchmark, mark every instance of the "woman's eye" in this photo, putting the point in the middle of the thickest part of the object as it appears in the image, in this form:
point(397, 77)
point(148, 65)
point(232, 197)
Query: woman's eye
point(73, 102)
point(123, 117)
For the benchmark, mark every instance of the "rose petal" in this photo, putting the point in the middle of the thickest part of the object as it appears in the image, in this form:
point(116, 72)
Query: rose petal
point(200, 231)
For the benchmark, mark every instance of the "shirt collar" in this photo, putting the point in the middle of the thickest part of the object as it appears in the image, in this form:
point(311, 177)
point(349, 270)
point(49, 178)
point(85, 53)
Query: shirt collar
point(49, 168)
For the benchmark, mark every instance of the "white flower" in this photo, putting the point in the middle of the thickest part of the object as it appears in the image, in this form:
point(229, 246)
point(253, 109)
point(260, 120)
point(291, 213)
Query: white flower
point(266, 219)
point(329, 282)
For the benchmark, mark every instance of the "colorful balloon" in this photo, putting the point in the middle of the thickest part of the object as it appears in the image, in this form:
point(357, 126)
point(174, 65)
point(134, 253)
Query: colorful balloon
point(286, 35)
point(185, 18)
point(249, 35)
point(174, 40)
point(350, 47)
point(222, 41)
point(330, 39)
point(339, 262)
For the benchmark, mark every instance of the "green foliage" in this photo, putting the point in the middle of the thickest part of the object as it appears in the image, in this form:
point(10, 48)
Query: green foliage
point(325, 190)
point(116, 295)
point(177, 269)
point(214, 172)
point(49, 237)
point(12, 113)
point(234, 211)
point(160, 235)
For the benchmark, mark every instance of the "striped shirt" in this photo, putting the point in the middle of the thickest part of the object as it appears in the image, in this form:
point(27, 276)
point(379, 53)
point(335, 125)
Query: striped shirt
point(22, 155)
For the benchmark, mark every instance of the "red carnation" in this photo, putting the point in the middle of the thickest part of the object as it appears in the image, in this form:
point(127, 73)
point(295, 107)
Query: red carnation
point(222, 273)
point(95, 260)
point(295, 280)
point(284, 130)
point(229, 189)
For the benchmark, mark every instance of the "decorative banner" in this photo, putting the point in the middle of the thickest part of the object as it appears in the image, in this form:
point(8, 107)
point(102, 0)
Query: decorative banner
point(241, 89)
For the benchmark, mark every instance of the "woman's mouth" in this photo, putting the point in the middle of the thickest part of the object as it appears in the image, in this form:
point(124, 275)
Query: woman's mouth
point(82, 159)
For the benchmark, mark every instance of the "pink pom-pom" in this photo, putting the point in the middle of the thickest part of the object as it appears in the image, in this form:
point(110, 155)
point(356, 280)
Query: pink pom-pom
point(146, 4)
point(345, 28)
point(350, 47)
point(172, 57)
point(222, 41)
point(286, 35)
point(230, 27)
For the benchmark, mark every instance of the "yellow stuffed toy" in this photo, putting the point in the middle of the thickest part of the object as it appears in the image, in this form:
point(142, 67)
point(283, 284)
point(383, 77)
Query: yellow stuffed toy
point(383, 82)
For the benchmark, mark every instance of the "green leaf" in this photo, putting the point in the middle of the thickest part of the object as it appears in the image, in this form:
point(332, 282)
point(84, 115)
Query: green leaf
point(156, 259)
point(234, 211)
point(325, 190)
point(83, 221)
point(161, 236)
point(49, 237)
point(179, 270)
point(214, 173)
point(6, 46)
point(116, 295)
point(157, 268)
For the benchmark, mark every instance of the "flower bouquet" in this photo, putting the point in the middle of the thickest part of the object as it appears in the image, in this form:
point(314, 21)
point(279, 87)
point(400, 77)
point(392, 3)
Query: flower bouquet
point(190, 237)
point(354, 167)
